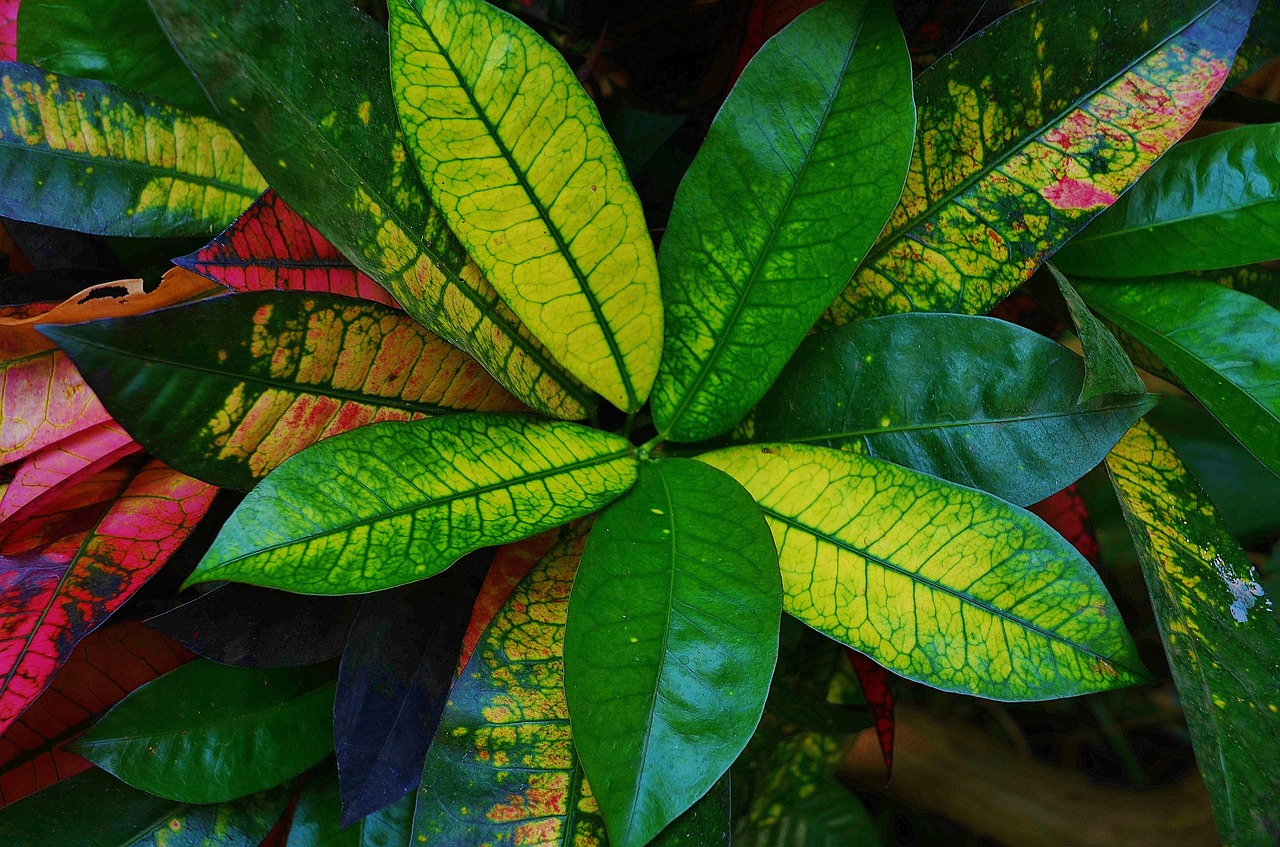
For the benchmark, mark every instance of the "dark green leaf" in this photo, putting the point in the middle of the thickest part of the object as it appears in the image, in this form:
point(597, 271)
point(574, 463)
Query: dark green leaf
point(707, 823)
point(317, 819)
point(638, 134)
point(1107, 370)
point(829, 815)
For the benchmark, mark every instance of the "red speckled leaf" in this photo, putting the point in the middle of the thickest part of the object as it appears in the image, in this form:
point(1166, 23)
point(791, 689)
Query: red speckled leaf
point(68, 461)
point(876, 688)
point(101, 670)
point(270, 247)
point(9, 30)
point(75, 560)
point(1066, 512)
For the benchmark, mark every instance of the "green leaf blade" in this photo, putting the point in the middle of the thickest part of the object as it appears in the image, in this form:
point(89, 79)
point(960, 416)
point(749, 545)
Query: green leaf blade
point(671, 643)
point(392, 503)
point(805, 161)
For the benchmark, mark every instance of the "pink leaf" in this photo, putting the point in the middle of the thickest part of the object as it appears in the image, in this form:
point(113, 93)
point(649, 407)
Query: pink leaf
point(8, 30)
point(68, 461)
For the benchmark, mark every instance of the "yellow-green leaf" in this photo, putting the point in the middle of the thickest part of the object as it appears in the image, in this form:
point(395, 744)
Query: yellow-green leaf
point(515, 155)
point(942, 584)
point(395, 502)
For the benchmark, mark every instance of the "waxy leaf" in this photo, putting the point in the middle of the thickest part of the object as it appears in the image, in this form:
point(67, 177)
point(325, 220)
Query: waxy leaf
point(284, 371)
point(765, 20)
point(800, 169)
point(671, 643)
point(1209, 203)
point(395, 677)
point(65, 463)
point(944, 585)
point(516, 157)
point(1027, 131)
point(1219, 343)
point(77, 153)
point(393, 503)
point(96, 808)
point(973, 400)
point(1219, 630)
point(335, 153)
point(1107, 370)
point(102, 669)
point(317, 819)
point(877, 689)
point(270, 247)
point(207, 733)
point(70, 564)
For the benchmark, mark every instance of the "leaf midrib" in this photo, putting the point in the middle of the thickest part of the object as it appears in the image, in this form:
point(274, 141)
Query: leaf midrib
point(1131, 229)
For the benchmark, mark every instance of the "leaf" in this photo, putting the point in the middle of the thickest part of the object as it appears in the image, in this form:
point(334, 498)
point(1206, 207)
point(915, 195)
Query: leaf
point(270, 247)
point(335, 154)
point(116, 41)
point(1068, 514)
point(876, 685)
point(1026, 132)
point(511, 563)
point(316, 822)
point(1184, 322)
point(829, 816)
point(1261, 43)
point(96, 808)
point(1213, 202)
point(9, 30)
point(941, 584)
point(1107, 370)
point(208, 733)
point(395, 677)
point(114, 163)
point(388, 504)
point(671, 643)
point(761, 236)
point(765, 20)
point(639, 134)
point(102, 669)
point(252, 627)
point(973, 400)
point(1219, 630)
point(520, 165)
point(284, 371)
point(73, 562)
point(65, 463)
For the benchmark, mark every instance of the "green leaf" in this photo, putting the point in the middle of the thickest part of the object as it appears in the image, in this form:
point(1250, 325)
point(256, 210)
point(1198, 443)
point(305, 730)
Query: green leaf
point(516, 157)
point(1219, 343)
point(639, 134)
point(803, 164)
point(1209, 203)
point(116, 41)
point(96, 808)
point(707, 824)
point(335, 154)
point(1107, 370)
point(1261, 44)
point(1219, 630)
point(318, 816)
point(207, 733)
point(974, 400)
point(944, 585)
point(283, 371)
point(81, 154)
point(828, 815)
point(671, 642)
point(391, 503)
point(1028, 131)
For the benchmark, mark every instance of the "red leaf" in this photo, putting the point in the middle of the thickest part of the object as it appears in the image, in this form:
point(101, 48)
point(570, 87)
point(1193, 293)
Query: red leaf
point(875, 682)
point(279, 833)
point(65, 463)
point(270, 247)
point(767, 18)
point(18, 263)
point(102, 669)
point(1067, 513)
point(77, 558)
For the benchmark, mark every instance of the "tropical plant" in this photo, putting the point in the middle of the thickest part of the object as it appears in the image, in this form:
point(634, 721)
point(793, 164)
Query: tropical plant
point(525, 499)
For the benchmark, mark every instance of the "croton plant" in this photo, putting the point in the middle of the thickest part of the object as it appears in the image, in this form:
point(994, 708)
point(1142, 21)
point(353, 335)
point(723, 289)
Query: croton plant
point(454, 495)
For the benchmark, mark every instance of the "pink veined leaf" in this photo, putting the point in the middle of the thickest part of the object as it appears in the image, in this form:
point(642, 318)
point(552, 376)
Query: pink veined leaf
point(876, 688)
point(270, 247)
point(76, 559)
point(9, 30)
point(65, 463)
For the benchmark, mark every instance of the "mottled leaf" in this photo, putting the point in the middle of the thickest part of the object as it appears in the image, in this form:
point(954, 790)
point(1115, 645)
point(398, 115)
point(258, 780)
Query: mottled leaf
point(1029, 129)
point(392, 503)
point(1261, 44)
point(208, 733)
point(1220, 632)
point(828, 815)
point(317, 823)
point(941, 584)
point(671, 643)
point(65, 463)
point(284, 371)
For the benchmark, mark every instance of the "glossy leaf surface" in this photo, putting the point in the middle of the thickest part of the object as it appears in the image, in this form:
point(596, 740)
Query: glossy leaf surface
point(1107, 370)
point(282, 372)
point(517, 159)
point(43, 400)
point(68, 565)
point(96, 808)
point(64, 463)
point(103, 668)
point(396, 672)
point(671, 643)
point(1027, 131)
point(335, 154)
point(270, 247)
point(77, 153)
point(780, 205)
point(392, 503)
point(974, 400)
point(1213, 202)
point(1220, 343)
point(941, 584)
point(207, 733)
point(1219, 630)
point(317, 820)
